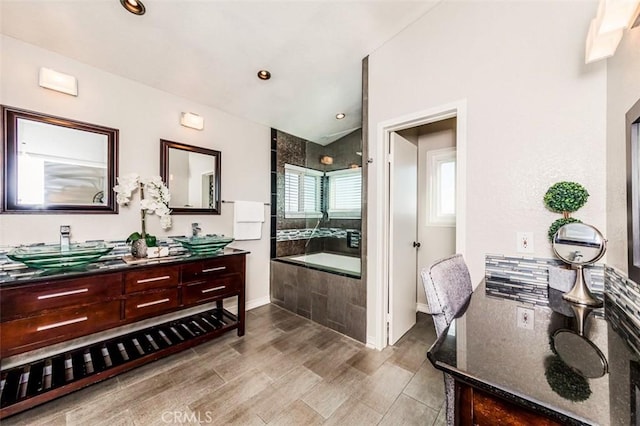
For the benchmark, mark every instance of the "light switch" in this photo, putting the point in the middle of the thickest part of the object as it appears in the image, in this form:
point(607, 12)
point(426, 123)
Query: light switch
point(525, 317)
point(524, 242)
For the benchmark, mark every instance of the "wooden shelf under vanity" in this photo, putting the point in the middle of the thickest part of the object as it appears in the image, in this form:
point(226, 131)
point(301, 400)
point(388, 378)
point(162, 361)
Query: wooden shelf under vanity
point(37, 314)
point(39, 381)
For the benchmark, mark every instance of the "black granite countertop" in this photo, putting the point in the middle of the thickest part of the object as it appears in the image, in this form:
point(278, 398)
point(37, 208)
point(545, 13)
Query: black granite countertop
point(485, 348)
point(23, 275)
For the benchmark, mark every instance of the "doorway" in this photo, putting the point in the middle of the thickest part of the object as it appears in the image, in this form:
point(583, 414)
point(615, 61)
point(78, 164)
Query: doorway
point(403, 291)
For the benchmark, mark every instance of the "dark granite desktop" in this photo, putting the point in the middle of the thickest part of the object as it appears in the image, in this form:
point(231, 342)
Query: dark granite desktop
point(486, 349)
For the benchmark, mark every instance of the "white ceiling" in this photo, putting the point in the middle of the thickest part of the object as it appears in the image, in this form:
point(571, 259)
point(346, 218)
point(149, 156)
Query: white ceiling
point(210, 51)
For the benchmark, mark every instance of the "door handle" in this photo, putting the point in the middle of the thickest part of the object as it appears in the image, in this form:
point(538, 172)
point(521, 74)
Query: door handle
point(416, 244)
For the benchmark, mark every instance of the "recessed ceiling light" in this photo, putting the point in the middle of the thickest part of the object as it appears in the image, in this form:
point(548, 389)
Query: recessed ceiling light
point(134, 6)
point(340, 116)
point(264, 75)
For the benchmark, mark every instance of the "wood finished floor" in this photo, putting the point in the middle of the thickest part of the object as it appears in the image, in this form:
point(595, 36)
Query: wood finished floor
point(286, 370)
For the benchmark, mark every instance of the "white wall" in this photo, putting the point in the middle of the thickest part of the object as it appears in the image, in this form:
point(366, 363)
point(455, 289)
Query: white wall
point(623, 91)
point(436, 241)
point(143, 115)
point(535, 115)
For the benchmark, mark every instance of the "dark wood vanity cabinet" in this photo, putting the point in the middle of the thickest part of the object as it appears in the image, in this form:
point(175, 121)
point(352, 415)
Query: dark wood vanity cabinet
point(151, 291)
point(38, 314)
point(476, 407)
point(215, 279)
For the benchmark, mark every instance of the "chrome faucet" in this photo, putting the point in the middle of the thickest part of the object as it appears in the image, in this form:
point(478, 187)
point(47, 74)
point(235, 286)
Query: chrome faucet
point(195, 229)
point(65, 240)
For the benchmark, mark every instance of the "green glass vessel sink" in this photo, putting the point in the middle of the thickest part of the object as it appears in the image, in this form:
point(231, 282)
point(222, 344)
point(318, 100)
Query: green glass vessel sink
point(52, 257)
point(207, 244)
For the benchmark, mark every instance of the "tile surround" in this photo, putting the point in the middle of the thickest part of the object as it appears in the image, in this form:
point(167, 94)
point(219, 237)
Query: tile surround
point(289, 149)
point(306, 233)
point(525, 280)
point(9, 268)
point(622, 306)
point(338, 302)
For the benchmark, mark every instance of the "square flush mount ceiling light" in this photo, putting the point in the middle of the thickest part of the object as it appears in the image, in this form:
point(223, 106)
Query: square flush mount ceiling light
point(58, 81)
point(194, 121)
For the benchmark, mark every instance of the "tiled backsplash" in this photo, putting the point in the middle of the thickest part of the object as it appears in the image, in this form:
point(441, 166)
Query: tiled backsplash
point(622, 306)
point(120, 248)
point(526, 279)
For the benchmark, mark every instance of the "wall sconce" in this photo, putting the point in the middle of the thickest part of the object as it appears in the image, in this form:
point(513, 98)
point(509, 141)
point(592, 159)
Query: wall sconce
point(607, 28)
point(64, 83)
point(194, 121)
point(326, 160)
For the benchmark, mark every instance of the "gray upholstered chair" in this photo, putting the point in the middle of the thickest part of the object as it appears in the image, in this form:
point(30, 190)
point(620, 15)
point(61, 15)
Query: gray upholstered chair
point(448, 286)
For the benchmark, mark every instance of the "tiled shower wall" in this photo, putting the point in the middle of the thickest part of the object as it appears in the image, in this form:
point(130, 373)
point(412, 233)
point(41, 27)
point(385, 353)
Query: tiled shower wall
point(290, 149)
point(336, 301)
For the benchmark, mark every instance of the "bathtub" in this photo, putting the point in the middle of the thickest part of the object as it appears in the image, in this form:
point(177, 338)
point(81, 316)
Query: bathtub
point(330, 262)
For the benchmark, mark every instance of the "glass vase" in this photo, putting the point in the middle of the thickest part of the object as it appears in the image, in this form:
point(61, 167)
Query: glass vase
point(139, 248)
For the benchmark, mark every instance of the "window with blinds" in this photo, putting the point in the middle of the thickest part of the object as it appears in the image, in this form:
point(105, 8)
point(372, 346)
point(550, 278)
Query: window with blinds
point(345, 194)
point(301, 192)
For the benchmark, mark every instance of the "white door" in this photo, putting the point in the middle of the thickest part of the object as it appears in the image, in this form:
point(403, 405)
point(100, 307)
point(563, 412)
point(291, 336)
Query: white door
point(403, 175)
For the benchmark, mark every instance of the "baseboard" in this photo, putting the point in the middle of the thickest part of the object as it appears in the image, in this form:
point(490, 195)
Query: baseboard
point(423, 307)
point(256, 303)
point(371, 343)
point(249, 305)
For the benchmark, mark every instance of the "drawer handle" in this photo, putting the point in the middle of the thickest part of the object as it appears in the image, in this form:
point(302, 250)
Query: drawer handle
point(219, 268)
point(61, 323)
point(209, 290)
point(62, 293)
point(155, 302)
point(148, 280)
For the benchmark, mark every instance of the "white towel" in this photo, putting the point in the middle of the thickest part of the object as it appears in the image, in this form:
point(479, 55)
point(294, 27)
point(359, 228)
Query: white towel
point(247, 220)
point(249, 211)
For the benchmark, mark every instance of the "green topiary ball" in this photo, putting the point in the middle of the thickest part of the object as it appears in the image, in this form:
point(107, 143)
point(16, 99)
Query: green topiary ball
point(565, 197)
point(558, 223)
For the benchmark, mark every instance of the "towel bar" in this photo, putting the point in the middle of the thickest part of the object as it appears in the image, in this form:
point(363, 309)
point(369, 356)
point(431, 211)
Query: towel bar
point(225, 201)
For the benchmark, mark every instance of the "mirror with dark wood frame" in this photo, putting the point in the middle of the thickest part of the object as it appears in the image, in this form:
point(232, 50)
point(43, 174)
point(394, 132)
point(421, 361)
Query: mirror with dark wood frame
point(193, 177)
point(57, 165)
point(633, 191)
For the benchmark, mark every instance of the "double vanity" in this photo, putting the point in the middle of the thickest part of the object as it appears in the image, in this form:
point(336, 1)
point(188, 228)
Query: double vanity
point(127, 305)
point(67, 322)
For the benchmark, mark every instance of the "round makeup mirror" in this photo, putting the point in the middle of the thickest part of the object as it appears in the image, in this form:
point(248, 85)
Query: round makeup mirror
point(580, 354)
point(579, 244)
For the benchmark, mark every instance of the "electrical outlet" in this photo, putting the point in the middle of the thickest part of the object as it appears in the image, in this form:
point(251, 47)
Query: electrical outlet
point(524, 242)
point(524, 317)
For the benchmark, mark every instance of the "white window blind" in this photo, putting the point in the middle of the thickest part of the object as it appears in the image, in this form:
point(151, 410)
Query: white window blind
point(301, 192)
point(345, 193)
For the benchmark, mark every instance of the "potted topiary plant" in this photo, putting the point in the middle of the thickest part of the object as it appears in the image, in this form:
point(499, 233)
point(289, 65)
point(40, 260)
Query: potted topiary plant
point(565, 198)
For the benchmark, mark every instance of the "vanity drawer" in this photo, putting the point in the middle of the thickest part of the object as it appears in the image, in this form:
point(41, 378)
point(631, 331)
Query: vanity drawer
point(41, 330)
point(213, 268)
point(157, 277)
point(28, 300)
point(202, 291)
point(150, 303)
